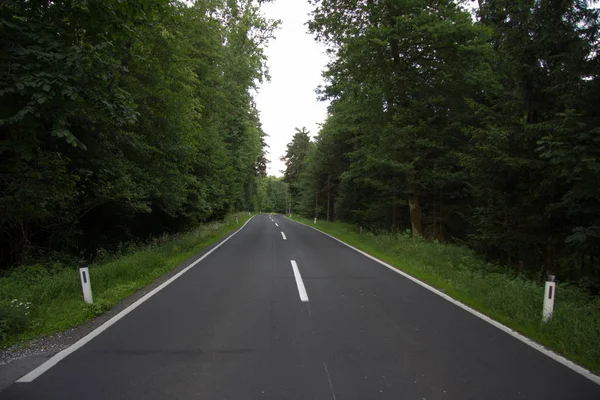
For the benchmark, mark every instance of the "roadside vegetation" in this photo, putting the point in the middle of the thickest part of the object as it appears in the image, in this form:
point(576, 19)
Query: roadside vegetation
point(510, 298)
point(122, 122)
point(465, 122)
point(38, 300)
point(472, 124)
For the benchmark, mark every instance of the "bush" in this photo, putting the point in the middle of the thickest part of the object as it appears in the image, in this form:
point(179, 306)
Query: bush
point(98, 308)
point(14, 317)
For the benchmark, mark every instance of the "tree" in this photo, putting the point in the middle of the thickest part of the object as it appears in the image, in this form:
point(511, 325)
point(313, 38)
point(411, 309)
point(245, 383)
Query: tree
point(296, 153)
point(484, 132)
point(277, 191)
point(545, 58)
point(125, 120)
point(419, 70)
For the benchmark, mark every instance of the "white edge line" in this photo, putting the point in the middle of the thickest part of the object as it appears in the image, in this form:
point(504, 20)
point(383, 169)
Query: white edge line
point(299, 282)
point(556, 357)
point(29, 377)
point(329, 379)
point(283, 236)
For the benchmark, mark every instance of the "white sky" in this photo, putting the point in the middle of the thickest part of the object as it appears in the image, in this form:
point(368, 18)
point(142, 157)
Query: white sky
point(295, 64)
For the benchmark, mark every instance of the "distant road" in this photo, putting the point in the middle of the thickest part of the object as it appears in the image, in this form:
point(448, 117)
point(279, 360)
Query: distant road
point(281, 311)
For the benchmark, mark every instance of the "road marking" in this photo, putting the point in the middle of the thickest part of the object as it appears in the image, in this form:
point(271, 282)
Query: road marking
point(283, 236)
point(329, 379)
point(81, 342)
point(556, 357)
point(299, 283)
point(276, 224)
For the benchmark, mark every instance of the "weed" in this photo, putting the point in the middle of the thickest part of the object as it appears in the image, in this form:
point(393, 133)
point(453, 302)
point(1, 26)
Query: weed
point(14, 317)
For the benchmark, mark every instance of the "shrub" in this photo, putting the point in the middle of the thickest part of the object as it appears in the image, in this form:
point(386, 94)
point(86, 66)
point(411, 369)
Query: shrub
point(14, 317)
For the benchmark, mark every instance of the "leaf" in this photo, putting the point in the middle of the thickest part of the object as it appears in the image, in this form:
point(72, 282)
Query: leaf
point(46, 87)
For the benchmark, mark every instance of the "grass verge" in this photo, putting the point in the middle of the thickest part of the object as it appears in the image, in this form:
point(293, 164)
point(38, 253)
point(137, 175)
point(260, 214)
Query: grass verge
point(37, 301)
point(510, 299)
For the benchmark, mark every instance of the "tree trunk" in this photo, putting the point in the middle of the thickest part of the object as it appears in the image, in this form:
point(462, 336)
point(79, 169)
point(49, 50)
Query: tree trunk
point(22, 242)
point(394, 213)
point(441, 224)
point(328, 198)
point(549, 256)
point(415, 214)
point(394, 206)
point(438, 217)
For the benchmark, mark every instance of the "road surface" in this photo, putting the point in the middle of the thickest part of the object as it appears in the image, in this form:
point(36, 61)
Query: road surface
point(248, 323)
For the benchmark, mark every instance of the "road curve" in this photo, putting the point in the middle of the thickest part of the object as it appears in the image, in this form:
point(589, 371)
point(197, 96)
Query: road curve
point(284, 312)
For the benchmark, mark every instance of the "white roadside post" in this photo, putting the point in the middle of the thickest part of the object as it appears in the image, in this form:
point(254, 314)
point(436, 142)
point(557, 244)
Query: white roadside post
point(237, 221)
point(549, 295)
point(315, 220)
point(86, 285)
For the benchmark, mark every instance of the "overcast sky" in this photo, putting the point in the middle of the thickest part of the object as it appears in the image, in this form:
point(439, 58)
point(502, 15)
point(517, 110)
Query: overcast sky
point(295, 64)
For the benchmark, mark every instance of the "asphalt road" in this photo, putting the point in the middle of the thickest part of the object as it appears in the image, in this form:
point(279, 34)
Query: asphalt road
point(235, 327)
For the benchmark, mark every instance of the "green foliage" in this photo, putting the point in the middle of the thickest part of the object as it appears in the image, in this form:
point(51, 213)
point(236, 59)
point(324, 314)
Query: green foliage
point(277, 192)
point(124, 120)
point(482, 130)
point(294, 158)
point(14, 317)
point(270, 195)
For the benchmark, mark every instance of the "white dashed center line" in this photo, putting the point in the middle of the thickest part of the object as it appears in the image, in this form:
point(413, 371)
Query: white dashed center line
point(283, 236)
point(299, 283)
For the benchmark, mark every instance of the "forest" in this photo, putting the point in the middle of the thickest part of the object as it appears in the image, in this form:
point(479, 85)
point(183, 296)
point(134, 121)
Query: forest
point(125, 120)
point(469, 123)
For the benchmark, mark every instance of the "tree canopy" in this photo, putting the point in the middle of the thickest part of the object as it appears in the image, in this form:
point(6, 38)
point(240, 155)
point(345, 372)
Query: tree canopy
point(125, 119)
point(477, 128)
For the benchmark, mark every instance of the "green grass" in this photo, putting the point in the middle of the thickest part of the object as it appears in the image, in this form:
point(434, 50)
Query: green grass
point(515, 301)
point(37, 301)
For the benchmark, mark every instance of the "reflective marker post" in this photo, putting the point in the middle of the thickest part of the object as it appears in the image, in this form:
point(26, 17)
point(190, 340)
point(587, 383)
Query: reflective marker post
point(86, 285)
point(315, 220)
point(237, 221)
point(549, 295)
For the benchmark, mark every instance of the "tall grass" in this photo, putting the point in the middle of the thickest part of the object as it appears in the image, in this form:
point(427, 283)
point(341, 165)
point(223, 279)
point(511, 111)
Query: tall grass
point(38, 300)
point(511, 299)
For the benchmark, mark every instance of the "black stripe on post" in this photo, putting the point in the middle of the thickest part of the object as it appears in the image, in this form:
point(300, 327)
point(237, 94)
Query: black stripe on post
point(84, 277)
point(550, 293)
